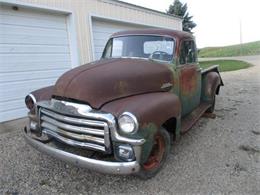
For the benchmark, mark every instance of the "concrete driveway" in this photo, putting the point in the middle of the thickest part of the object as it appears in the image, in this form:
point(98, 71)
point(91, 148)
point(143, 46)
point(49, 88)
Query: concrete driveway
point(216, 156)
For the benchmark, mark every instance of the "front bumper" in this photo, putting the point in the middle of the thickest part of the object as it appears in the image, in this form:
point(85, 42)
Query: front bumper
point(121, 168)
point(79, 126)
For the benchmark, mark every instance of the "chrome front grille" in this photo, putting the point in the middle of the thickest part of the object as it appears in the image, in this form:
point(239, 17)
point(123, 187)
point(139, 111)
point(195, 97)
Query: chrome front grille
point(75, 131)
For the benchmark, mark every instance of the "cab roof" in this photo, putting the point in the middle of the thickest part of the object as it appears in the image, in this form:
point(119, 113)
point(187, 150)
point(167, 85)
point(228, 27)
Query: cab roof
point(162, 32)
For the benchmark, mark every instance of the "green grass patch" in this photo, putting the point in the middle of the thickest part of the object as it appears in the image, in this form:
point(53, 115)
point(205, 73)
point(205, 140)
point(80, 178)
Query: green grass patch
point(252, 48)
point(225, 65)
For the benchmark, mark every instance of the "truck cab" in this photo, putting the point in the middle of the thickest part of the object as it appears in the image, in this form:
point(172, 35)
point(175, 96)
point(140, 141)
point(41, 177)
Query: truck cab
point(126, 108)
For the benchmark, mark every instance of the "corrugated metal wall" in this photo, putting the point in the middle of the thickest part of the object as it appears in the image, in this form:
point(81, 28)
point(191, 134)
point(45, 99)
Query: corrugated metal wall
point(82, 9)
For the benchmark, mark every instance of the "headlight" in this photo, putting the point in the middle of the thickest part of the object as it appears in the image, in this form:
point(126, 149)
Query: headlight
point(30, 101)
point(128, 123)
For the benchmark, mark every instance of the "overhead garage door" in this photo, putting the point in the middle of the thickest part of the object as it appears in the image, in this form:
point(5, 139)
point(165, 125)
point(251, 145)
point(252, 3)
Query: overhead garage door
point(102, 30)
point(34, 52)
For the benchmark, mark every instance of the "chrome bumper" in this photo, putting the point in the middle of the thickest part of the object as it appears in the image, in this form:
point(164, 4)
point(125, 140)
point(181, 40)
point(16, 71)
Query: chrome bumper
point(121, 168)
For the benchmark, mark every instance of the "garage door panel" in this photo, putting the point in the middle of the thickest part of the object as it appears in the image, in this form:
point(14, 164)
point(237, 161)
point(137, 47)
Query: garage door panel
point(12, 105)
point(33, 75)
point(100, 29)
point(32, 66)
point(31, 22)
point(16, 58)
point(21, 89)
point(99, 49)
point(27, 30)
point(98, 54)
point(27, 84)
point(99, 42)
point(101, 35)
point(13, 114)
point(33, 49)
point(34, 52)
point(36, 39)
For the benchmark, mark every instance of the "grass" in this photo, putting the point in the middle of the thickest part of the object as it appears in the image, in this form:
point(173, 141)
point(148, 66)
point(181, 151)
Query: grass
point(252, 48)
point(226, 65)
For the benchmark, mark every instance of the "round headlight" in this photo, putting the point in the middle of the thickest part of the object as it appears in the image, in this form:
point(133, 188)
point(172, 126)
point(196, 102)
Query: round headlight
point(30, 101)
point(128, 123)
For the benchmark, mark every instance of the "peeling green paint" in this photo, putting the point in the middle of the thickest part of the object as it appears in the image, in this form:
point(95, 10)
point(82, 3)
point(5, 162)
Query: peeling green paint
point(148, 131)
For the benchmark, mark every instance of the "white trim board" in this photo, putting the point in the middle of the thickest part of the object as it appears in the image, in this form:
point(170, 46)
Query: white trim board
point(34, 6)
point(102, 17)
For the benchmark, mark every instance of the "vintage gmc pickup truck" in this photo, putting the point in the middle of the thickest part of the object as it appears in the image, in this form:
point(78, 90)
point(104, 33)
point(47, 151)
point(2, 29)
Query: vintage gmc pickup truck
point(118, 115)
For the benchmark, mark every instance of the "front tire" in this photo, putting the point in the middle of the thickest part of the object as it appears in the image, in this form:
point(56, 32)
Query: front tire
point(158, 155)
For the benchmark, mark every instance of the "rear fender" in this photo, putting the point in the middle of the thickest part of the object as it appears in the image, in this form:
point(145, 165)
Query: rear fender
point(211, 81)
point(151, 110)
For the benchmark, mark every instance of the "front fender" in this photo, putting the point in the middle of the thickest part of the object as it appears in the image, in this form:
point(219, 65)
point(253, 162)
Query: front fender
point(151, 110)
point(43, 93)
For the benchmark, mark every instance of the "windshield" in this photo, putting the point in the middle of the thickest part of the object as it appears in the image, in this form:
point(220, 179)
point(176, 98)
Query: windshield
point(140, 46)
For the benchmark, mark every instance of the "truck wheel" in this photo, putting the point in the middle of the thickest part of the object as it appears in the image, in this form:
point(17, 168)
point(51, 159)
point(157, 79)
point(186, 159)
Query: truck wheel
point(158, 155)
point(212, 107)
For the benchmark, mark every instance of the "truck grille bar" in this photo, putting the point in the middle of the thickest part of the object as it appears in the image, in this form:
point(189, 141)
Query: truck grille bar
point(78, 132)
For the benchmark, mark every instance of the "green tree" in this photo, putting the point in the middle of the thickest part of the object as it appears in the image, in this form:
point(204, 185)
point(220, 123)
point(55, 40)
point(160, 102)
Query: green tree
point(177, 8)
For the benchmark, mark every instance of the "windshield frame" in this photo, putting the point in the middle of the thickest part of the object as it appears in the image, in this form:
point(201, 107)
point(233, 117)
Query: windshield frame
point(154, 35)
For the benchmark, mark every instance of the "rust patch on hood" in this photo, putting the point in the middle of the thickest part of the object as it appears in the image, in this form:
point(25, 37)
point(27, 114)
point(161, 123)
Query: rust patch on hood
point(121, 87)
point(105, 80)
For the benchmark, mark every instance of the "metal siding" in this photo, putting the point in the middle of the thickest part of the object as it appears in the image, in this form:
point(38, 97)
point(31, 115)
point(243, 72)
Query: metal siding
point(34, 52)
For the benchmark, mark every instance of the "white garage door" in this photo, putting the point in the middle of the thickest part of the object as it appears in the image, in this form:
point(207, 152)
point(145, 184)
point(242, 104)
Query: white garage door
point(34, 52)
point(102, 30)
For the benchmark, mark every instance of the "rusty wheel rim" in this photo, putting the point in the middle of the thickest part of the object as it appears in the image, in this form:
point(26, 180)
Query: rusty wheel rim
point(156, 155)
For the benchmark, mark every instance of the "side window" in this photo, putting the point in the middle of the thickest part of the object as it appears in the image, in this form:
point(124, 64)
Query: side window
point(188, 53)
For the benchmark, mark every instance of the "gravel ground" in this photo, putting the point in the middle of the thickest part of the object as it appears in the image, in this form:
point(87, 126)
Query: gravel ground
point(218, 155)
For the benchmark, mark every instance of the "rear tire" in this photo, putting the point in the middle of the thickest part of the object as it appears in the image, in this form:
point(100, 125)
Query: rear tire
point(158, 155)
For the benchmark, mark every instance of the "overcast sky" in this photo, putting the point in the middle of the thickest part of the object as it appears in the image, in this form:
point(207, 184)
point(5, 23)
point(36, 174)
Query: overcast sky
point(218, 21)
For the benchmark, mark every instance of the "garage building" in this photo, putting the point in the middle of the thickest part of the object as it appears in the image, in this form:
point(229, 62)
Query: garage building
point(41, 39)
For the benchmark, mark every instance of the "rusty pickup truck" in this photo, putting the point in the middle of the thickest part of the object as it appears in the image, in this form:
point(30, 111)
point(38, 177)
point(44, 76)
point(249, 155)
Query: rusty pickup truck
point(118, 115)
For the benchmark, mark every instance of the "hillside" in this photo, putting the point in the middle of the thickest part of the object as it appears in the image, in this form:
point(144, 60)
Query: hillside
point(252, 48)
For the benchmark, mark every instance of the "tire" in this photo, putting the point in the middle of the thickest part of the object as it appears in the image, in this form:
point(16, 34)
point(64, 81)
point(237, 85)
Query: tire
point(212, 107)
point(158, 155)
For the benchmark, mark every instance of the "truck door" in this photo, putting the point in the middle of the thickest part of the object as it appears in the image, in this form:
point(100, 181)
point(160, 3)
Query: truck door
point(190, 76)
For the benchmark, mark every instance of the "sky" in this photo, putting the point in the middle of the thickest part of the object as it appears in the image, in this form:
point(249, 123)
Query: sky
point(218, 21)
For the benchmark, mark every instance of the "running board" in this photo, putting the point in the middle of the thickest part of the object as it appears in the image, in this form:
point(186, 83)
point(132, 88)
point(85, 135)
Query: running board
point(188, 121)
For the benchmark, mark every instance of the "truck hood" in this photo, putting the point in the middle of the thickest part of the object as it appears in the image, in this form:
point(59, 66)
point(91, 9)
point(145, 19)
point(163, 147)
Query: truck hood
point(103, 81)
